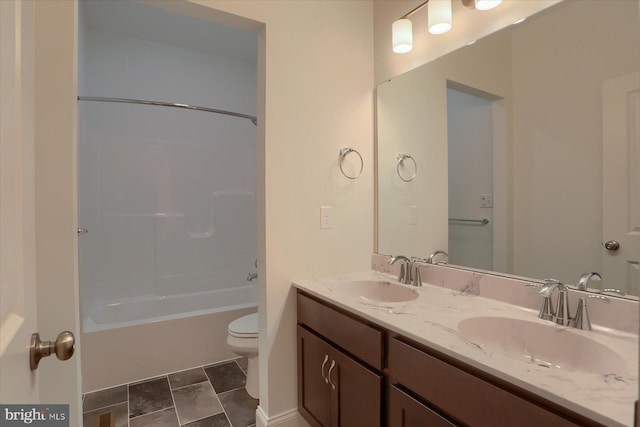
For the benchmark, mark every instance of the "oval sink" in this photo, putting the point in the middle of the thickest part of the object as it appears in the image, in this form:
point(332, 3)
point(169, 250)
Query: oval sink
point(549, 345)
point(381, 291)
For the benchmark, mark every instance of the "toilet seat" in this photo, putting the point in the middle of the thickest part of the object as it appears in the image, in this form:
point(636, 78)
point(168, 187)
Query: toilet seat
point(244, 327)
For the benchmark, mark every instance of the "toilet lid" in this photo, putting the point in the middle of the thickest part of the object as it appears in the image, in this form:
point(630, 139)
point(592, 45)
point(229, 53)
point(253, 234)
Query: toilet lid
point(245, 326)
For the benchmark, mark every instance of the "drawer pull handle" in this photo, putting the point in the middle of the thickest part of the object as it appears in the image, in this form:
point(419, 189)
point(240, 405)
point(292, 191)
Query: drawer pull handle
point(326, 358)
point(333, 365)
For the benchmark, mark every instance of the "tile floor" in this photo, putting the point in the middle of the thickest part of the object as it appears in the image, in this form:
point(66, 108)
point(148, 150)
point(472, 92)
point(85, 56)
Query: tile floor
point(208, 396)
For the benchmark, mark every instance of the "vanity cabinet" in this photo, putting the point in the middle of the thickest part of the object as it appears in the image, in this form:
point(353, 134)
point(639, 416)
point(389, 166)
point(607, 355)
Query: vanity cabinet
point(336, 387)
point(354, 373)
point(453, 393)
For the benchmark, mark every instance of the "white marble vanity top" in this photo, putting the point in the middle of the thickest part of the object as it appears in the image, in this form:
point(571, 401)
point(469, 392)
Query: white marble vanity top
point(432, 319)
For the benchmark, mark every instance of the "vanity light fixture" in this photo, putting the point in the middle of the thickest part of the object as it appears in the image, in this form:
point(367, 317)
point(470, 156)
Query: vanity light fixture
point(439, 15)
point(487, 4)
point(402, 33)
point(439, 20)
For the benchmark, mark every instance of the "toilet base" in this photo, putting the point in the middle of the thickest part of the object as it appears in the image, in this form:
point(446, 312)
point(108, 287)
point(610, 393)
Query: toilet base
point(252, 377)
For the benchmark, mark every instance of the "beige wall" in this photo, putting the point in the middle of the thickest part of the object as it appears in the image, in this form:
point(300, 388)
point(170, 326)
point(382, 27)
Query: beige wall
point(317, 97)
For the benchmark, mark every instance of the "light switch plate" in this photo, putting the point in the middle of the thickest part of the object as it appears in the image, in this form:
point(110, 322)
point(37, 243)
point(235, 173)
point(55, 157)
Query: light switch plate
point(326, 220)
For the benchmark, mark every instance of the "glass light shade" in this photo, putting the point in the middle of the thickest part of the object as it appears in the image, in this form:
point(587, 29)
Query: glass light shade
point(402, 36)
point(439, 12)
point(487, 4)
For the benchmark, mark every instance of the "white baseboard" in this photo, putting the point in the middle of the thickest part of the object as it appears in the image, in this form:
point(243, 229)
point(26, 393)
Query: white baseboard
point(290, 418)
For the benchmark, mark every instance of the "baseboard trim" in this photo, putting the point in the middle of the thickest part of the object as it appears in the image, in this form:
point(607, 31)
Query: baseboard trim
point(290, 418)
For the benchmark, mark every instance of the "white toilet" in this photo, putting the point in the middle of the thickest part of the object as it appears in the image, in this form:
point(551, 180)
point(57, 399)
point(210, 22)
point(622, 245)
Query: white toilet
point(243, 339)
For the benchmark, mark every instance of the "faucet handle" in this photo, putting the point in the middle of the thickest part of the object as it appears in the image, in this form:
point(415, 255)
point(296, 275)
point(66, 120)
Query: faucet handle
point(581, 320)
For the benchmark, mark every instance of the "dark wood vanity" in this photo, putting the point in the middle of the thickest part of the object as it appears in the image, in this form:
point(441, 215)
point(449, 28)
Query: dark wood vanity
point(355, 373)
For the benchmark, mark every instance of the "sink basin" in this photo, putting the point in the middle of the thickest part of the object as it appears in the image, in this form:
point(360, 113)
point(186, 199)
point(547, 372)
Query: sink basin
point(550, 346)
point(381, 291)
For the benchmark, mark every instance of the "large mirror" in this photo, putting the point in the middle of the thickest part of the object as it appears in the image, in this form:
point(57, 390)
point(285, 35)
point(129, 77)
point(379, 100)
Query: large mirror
point(520, 153)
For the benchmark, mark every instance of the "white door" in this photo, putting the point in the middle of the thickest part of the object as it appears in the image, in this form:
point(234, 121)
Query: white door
point(621, 183)
point(38, 285)
point(17, 216)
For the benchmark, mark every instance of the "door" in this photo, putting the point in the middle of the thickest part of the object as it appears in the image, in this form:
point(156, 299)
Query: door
point(621, 183)
point(357, 393)
point(17, 216)
point(38, 288)
point(314, 393)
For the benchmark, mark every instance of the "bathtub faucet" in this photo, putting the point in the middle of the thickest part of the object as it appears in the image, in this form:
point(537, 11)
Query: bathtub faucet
point(252, 276)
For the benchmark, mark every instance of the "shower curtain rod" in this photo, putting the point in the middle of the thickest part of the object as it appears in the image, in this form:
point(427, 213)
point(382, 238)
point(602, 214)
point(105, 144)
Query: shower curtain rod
point(253, 119)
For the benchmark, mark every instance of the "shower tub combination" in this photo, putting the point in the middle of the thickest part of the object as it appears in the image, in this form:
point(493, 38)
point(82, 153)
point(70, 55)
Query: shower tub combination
point(170, 253)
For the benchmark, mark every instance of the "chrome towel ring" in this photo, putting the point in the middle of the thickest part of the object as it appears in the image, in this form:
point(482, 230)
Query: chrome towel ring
point(401, 158)
point(344, 152)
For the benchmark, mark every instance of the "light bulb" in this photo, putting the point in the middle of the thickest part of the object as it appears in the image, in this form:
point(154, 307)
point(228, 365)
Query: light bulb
point(487, 4)
point(402, 36)
point(439, 12)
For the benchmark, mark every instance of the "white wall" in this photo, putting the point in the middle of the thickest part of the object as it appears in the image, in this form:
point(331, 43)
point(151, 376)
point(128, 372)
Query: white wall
point(470, 143)
point(316, 97)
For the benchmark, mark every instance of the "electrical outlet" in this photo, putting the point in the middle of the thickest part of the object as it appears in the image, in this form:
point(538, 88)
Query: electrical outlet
point(486, 200)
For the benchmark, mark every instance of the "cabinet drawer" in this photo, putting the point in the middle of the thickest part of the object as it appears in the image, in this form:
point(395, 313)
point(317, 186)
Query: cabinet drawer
point(361, 340)
point(461, 395)
point(405, 411)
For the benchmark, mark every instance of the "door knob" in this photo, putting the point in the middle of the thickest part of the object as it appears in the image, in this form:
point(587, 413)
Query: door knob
point(63, 347)
point(612, 245)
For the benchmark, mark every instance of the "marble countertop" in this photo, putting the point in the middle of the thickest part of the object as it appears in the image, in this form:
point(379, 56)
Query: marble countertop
point(432, 320)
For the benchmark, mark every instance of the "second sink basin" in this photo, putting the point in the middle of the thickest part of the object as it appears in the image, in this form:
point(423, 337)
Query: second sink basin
point(544, 345)
point(381, 291)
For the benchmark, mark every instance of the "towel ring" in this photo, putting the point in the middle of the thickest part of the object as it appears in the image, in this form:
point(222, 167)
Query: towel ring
point(344, 152)
point(401, 158)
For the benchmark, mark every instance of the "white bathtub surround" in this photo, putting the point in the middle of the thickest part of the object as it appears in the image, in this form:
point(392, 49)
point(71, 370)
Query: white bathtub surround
point(433, 319)
point(124, 355)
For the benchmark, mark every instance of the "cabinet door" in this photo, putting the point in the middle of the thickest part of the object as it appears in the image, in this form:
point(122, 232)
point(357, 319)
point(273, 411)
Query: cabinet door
point(405, 411)
point(357, 396)
point(314, 393)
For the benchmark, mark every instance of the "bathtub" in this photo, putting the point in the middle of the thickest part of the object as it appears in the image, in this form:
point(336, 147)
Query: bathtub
point(144, 337)
point(103, 315)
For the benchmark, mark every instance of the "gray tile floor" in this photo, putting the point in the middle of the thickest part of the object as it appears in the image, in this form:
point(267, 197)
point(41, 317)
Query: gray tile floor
point(208, 396)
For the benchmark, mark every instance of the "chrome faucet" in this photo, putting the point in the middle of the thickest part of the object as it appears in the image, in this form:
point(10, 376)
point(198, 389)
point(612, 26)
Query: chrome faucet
point(561, 313)
point(433, 255)
point(581, 319)
point(252, 276)
point(416, 264)
point(583, 283)
point(405, 268)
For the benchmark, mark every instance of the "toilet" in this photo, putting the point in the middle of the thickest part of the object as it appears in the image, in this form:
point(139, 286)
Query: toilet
point(243, 340)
